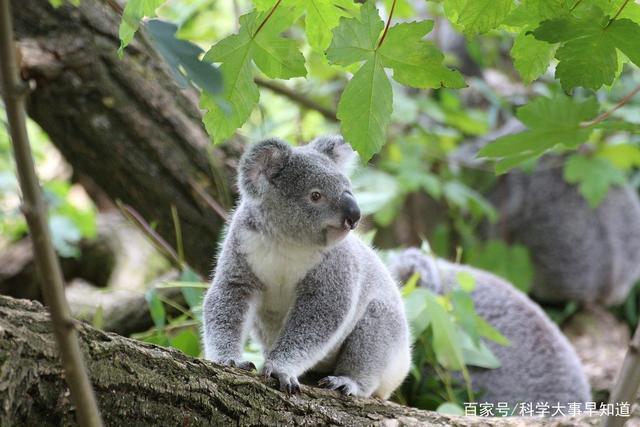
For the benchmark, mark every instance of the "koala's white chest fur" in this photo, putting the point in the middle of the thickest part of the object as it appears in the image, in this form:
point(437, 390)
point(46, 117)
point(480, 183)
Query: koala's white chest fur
point(280, 268)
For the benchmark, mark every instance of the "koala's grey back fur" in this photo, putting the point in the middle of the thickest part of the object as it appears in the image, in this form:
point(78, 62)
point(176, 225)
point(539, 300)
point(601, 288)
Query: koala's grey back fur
point(313, 295)
point(539, 366)
point(579, 253)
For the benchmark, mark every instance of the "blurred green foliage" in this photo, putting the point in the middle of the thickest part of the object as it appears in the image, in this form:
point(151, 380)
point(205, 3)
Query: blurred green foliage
point(69, 220)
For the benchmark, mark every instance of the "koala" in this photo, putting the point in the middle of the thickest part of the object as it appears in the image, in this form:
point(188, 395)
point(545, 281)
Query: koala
point(589, 255)
point(539, 366)
point(290, 273)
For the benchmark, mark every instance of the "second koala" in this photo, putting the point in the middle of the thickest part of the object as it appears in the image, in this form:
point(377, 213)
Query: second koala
point(539, 366)
point(313, 295)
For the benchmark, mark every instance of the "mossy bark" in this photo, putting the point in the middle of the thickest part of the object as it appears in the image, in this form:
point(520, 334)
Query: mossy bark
point(140, 384)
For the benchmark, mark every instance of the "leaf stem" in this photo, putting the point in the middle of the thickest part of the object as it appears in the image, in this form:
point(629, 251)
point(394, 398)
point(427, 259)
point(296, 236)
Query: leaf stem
point(575, 5)
point(386, 27)
point(262, 24)
point(607, 113)
point(617, 13)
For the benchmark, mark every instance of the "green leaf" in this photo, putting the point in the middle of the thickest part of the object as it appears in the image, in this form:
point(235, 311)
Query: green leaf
point(257, 41)
point(551, 122)
point(560, 112)
point(466, 281)
point(321, 17)
point(446, 340)
point(625, 34)
point(183, 57)
point(465, 314)
point(134, 11)
point(410, 285)
point(622, 156)
point(416, 63)
point(477, 16)
point(594, 176)
point(531, 57)
point(587, 55)
point(364, 109)
point(355, 39)
point(489, 332)
point(531, 12)
point(277, 57)
point(415, 304)
point(478, 354)
point(156, 308)
point(186, 341)
point(366, 103)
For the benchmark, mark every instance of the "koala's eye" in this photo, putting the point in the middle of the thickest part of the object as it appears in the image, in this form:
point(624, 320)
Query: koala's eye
point(315, 196)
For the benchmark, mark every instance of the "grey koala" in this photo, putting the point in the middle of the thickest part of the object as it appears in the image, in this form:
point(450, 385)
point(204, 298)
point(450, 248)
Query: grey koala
point(579, 253)
point(539, 366)
point(313, 295)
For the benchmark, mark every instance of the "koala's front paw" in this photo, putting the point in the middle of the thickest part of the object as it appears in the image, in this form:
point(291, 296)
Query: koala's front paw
point(247, 366)
point(345, 385)
point(288, 383)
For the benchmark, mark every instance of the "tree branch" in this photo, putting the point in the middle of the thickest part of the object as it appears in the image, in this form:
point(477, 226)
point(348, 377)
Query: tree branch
point(143, 384)
point(626, 387)
point(125, 123)
point(35, 212)
point(296, 97)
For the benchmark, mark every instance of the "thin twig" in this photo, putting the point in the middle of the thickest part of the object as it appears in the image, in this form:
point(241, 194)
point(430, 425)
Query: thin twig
point(607, 113)
point(178, 232)
point(386, 27)
point(208, 200)
point(35, 212)
point(157, 240)
point(296, 97)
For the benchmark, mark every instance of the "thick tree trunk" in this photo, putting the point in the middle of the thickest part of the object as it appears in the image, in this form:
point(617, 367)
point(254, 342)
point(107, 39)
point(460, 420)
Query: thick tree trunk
point(142, 384)
point(124, 122)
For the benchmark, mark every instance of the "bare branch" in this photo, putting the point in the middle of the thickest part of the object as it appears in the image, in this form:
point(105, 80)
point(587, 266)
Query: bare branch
point(296, 97)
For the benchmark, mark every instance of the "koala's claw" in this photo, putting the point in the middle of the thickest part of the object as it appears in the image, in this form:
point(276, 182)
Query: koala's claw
point(344, 385)
point(287, 383)
point(247, 366)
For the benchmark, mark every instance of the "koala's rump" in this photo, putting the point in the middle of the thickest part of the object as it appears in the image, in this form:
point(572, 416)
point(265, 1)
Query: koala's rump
point(540, 365)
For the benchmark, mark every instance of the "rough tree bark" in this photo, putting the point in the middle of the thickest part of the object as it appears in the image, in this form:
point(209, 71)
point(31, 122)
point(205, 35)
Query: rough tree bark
point(124, 122)
point(142, 384)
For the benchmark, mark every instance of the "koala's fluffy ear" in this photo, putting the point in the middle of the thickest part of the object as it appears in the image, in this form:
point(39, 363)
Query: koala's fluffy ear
point(337, 149)
point(260, 163)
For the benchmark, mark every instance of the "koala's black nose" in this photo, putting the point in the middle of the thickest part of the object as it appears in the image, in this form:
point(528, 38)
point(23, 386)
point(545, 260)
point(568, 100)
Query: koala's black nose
point(350, 210)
